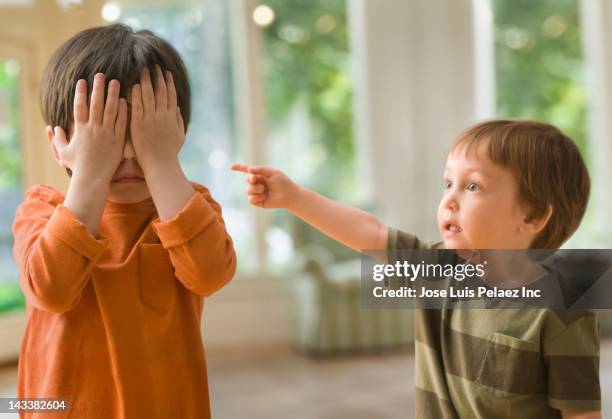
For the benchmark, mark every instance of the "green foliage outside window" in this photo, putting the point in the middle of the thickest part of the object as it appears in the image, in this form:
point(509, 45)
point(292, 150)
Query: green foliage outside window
point(11, 297)
point(306, 58)
point(10, 181)
point(306, 64)
point(10, 154)
point(539, 64)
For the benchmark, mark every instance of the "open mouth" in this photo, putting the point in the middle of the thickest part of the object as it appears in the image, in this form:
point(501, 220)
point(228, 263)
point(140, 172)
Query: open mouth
point(452, 228)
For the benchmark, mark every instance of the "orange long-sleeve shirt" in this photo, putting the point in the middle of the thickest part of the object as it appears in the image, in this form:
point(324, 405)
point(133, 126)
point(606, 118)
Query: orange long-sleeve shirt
point(114, 322)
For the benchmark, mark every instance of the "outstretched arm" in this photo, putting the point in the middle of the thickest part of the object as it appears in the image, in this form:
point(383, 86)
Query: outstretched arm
point(355, 228)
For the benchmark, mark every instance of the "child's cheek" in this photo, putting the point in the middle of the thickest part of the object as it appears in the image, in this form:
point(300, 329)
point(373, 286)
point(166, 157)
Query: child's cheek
point(439, 216)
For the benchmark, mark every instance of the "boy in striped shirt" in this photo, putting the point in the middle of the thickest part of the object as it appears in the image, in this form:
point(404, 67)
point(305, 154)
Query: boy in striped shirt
point(507, 185)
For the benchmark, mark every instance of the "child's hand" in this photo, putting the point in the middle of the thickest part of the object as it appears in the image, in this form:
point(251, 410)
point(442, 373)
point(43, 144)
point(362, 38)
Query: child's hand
point(156, 128)
point(271, 188)
point(99, 130)
point(267, 187)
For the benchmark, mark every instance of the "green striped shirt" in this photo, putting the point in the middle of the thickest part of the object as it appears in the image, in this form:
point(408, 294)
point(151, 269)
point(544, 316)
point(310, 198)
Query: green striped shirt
point(502, 363)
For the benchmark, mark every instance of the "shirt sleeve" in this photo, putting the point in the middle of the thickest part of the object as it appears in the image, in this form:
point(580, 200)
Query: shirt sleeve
point(572, 358)
point(200, 248)
point(54, 252)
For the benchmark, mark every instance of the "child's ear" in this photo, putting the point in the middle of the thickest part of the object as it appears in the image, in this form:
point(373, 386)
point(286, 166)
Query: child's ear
point(533, 225)
point(50, 135)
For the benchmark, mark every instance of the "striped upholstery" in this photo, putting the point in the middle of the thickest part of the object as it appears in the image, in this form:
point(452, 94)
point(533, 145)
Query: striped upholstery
point(329, 314)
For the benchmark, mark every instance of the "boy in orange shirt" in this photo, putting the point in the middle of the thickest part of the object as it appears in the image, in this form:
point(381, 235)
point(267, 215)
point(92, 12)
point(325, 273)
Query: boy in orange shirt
point(115, 271)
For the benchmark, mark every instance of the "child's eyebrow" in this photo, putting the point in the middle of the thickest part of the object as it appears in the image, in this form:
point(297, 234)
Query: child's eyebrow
point(470, 171)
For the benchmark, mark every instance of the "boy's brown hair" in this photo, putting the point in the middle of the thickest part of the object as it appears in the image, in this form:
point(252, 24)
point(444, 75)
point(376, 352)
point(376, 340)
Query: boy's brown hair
point(120, 54)
point(549, 169)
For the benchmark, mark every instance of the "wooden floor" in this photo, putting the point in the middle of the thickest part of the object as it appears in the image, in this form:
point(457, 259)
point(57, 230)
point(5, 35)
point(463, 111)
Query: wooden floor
point(279, 382)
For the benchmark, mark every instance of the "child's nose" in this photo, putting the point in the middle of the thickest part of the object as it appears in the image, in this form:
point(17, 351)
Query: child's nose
point(449, 202)
point(128, 150)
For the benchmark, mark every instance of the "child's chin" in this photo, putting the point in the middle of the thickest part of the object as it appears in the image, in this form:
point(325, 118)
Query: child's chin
point(126, 194)
point(128, 187)
point(451, 243)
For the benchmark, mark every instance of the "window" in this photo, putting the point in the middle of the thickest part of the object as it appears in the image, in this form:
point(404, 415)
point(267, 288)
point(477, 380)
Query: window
point(540, 75)
point(200, 33)
point(10, 181)
point(307, 95)
point(539, 61)
point(308, 92)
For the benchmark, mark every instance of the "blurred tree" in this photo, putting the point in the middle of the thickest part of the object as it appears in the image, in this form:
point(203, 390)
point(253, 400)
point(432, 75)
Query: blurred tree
point(539, 61)
point(10, 153)
point(308, 88)
point(10, 181)
point(200, 32)
point(11, 297)
point(306, 58)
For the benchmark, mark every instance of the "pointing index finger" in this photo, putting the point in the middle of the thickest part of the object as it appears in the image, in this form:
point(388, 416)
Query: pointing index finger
point(262, 170)
point(237, 167)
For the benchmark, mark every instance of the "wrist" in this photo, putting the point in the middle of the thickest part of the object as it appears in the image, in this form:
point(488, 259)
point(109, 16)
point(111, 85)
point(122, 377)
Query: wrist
point(162, 169)
point(170, 189)
point(92, 176)
point(85, 198)
point(155, 166)
point(295, 199)
point(92, 181)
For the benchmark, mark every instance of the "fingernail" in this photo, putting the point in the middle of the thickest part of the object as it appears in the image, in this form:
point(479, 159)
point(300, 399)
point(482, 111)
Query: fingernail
point(55, 131)
point(100, 76)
